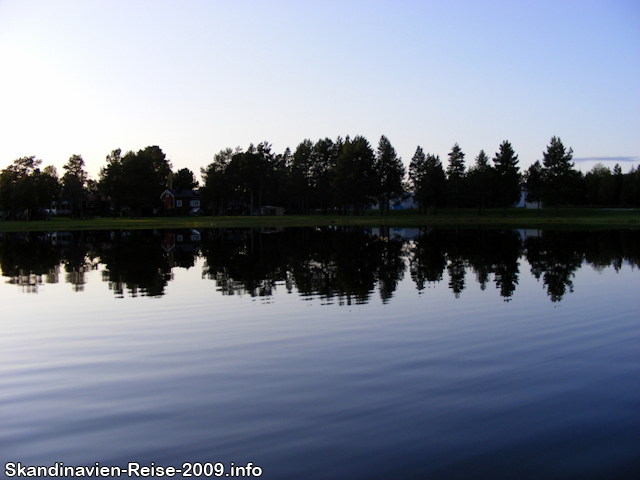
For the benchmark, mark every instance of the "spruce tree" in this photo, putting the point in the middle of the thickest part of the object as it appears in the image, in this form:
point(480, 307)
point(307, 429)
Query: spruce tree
point(559, 175)
point(481, 181)
point(455, 174)
point(507, 176)
point(533, 180)
point(390, 174)
point(416, 177)
point(434, 181)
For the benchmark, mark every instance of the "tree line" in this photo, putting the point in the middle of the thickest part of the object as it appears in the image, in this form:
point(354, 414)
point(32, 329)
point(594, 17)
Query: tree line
point(343, 175)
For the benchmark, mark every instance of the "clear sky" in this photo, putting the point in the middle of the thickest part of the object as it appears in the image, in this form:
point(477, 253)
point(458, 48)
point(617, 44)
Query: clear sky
point(194, 77)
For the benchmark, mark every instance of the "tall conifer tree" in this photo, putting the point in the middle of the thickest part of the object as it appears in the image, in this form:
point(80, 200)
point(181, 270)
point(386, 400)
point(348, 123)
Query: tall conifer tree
point(455, 174)
point(507, 176)
point(559, 174)
point(390, 174)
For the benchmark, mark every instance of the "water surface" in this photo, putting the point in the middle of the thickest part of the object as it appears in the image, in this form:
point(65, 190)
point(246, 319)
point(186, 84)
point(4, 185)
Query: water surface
point(324, 353)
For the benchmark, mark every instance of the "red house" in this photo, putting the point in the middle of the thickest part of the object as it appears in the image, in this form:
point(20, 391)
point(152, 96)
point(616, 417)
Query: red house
point(181, 202)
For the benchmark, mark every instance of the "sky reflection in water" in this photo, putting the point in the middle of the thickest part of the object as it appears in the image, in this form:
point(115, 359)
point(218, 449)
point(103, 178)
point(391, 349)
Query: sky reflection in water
point(320, 353)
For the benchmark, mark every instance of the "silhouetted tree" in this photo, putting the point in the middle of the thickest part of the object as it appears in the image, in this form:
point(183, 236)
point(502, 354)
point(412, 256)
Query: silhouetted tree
point(145, 175)
point(24, 188)
point(217, 187)
point(136, 180)
point(534, 183)
point(455, 175)
point(278, 186)
point(416, 173)
point(48, 186)
point(324, 157)
point(598, 183)
point(618, 181)
point(111, 180)
point(7, 193)
point(18, 187)
point(74, 183)
point(434, 182)
point(427, 180)
point(631, 188)
point(559, 175)
point(301, 175)
point(251, 172)
point(390, 172)
point(507, 176)
point(184, 179)
point(354, 182)
point(481, 178)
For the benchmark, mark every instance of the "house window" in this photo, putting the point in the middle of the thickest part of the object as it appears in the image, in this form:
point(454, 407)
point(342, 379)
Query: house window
point(178, 203)
point(195, 238)
point(179, 237)
point(195, 203)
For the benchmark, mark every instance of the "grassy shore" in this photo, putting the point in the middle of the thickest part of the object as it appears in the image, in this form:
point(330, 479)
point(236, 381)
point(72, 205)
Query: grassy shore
point(515, 218)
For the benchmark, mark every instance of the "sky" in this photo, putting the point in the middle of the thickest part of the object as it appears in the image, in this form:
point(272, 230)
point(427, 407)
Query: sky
point(195, 77)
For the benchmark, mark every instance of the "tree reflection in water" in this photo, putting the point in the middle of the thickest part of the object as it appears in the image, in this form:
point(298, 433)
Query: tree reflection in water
point(337, 264)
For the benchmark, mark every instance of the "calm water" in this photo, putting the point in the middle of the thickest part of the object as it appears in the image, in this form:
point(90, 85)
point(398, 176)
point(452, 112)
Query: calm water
point(324, 353)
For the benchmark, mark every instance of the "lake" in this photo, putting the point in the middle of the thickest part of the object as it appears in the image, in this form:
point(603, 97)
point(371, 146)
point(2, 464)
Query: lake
point(316, 353)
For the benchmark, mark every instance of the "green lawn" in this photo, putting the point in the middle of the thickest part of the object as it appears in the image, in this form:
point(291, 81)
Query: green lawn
point(515, 218)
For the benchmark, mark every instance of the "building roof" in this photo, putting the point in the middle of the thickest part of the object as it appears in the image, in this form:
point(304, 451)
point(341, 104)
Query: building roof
point(182, 193)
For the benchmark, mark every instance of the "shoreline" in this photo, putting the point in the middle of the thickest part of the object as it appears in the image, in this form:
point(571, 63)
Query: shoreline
point(494, 218)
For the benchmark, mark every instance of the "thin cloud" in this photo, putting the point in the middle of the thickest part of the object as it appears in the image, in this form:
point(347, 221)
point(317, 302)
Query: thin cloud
point(608, 159)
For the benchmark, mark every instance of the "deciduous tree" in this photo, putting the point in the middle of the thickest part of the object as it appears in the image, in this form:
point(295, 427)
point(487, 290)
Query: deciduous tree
point(216, 187)
point(184, 179)
point(74, 182)
point(135, 180)
point(24, 188)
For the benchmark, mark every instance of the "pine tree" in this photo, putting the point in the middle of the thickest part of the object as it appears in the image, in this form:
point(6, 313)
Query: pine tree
point(300, 174)
point(355, 179)
point(324, 155)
